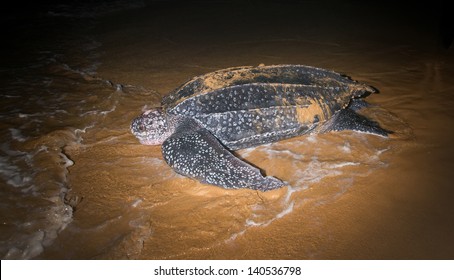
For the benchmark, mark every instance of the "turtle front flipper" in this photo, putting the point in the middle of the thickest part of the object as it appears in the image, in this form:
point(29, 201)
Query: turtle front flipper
point(194, 152)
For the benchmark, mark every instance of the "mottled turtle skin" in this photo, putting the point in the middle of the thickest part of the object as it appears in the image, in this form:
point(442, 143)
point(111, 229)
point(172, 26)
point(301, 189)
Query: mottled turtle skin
point(201, 122)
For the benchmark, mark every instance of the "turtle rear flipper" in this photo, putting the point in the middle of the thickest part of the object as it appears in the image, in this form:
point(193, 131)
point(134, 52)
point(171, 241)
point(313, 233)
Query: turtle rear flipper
point(348, 119)
point(194, 152)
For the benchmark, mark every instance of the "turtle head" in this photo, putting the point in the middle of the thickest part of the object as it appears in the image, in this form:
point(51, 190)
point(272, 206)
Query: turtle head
point(152, 127)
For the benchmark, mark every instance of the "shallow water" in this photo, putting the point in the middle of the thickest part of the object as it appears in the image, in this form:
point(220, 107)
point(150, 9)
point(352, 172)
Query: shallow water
point(75, 184)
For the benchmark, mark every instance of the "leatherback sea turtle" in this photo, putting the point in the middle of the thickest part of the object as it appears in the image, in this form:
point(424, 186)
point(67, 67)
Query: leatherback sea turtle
point(201, 122)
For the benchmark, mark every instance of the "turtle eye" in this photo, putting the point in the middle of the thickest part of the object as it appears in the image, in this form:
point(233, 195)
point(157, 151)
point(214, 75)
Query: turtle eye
point(141, 127)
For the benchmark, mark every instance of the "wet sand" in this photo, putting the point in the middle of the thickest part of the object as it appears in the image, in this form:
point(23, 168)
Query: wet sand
point(351, 195)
